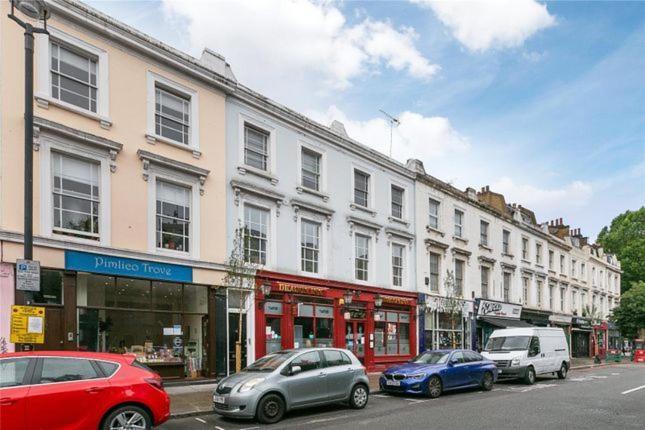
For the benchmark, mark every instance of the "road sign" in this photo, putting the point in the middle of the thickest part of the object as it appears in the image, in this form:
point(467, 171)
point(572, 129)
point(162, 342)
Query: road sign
point(28, 275)
point(27, 324)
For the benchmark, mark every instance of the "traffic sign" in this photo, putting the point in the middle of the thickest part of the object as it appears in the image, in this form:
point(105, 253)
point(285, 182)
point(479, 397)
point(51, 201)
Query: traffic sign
point(27, 324)
point(27, 275)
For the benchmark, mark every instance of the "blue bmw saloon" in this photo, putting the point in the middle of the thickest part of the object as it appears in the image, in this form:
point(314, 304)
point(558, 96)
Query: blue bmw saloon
point(433, 372)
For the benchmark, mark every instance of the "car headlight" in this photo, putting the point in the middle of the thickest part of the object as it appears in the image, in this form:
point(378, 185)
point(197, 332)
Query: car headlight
point(248, 385)
point(516, 361)
point(417, 376)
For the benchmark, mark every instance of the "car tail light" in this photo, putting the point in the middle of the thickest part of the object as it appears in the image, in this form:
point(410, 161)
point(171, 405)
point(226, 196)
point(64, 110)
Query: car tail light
point(155, 382)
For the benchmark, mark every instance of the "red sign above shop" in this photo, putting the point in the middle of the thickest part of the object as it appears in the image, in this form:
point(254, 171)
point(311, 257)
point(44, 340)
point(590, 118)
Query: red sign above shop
point(300, 289)
point(397, 300)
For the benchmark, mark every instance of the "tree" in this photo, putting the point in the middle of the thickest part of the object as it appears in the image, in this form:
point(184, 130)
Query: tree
point(626, 238)
point(629, 316)
point(240, 276)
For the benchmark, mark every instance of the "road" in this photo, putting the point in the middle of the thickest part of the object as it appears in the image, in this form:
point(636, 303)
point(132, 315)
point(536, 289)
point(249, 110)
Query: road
point(600, 398)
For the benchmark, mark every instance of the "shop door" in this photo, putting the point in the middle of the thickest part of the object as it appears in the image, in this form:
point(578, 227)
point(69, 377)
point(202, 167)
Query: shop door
point(355, 338)
point(233, 326)
point(53, 330)
point(580, 344)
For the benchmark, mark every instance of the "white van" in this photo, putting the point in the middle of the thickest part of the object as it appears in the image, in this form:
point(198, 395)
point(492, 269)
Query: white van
point(528, 352)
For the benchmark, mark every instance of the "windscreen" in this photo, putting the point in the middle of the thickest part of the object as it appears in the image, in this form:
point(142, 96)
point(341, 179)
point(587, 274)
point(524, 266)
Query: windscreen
point(508, 343)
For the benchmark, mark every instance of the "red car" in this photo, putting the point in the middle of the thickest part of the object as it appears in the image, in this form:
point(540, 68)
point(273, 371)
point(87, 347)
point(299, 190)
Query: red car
point(79, 390)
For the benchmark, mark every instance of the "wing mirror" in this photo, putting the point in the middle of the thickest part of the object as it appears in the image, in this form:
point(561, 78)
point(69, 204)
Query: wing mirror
point(295, 370)
point(452, 362)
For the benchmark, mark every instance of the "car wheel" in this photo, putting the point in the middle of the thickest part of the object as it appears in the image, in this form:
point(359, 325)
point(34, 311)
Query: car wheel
point(529, 378)
point(434, 387)
point(126, 418)
point(487, 381)
point(270, 409)
point(358, 397)
point(562, 373)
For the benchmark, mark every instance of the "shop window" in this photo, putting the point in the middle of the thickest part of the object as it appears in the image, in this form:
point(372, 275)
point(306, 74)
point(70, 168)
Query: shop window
point(313, 326)
point(66, 369)
point(449, 330)
point(392, 333)
point(51, 289)
point(166, 296)
point(273, 331)
point(195, 299)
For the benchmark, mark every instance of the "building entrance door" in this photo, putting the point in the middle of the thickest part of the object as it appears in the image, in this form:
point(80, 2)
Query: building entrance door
point(355, 338)
point(53, 330)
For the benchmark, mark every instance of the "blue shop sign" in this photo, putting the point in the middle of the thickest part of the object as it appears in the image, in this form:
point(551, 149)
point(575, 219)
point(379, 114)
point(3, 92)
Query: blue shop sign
point(118, 266)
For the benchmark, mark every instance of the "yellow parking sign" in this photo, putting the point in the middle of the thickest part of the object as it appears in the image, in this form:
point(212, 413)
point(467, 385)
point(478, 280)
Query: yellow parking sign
point(27, 324)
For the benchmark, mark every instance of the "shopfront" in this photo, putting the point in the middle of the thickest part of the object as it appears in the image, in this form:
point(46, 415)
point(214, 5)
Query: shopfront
point(564, 322)
point(492, 315)
point(536, 317)
point(615, 340)
point(445, 323)
point(581, 337)
point(600, 339)
point(121, 305)
point(378, 325)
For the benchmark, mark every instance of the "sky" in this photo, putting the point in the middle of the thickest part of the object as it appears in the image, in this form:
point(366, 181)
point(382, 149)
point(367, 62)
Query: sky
point(542, 101)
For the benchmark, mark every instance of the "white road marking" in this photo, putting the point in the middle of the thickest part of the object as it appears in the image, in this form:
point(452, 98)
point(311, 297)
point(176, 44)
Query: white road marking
point(201, 420)
point(380, 395)
point(614, 374)
point(218, 427)
point(599, 376)
point(324, 420)
point(250, 428)
point(633, 389)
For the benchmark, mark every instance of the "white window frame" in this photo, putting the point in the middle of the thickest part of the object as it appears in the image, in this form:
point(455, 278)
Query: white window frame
point(322, 184)
point(164, 174)
point(526, 290)
point(539, 292)
point(370, 254)
point(78, 150)
point(404, 202)
point(438, 216)
point(509, 245)
point(404, 266)
point(271, 239)
point(262, 124)
point(538, 253)
point(482, 220)
point(370, 187)
point(463, 276)
point(526, 251)
point(462, 225)
point(438, 254)
point(488, 270)
point(193, 136)
point(322, 253)
point(43, 80)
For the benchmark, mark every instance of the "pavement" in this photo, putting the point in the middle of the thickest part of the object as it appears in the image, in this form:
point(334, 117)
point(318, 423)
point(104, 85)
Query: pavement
point(195, 399)
point(605, 397)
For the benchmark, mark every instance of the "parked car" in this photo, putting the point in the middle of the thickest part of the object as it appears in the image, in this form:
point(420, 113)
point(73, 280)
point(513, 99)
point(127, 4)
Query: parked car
point(292, 379)
point(79, 390)
point(433, 372)
point(527, 352)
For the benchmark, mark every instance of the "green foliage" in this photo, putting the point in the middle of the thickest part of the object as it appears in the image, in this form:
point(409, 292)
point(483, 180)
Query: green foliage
point(626, 238)
point(630, 314)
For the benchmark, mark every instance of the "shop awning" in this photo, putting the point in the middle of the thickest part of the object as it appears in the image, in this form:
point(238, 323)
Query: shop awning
point(505, 322)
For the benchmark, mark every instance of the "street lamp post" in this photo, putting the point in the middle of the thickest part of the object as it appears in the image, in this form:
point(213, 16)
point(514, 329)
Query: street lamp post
point(34, 9)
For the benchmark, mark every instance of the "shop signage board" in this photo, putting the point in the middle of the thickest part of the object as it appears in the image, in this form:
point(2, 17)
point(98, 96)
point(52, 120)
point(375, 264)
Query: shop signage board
point(300, 289)
point(560, 319)
point(120, 266)
point(27, 275)
point(498, 309)
point(27, 324)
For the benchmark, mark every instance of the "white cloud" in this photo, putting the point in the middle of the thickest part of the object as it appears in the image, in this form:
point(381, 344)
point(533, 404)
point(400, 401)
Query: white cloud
point(545, 201)
point(484, 24)
point(417, 136)
point(298, 45)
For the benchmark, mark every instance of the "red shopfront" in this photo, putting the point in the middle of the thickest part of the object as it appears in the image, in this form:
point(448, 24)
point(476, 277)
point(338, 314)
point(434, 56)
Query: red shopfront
point(304, 312)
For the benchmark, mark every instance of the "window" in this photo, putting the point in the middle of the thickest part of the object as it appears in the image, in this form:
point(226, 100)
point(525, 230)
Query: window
point(472, 357)
point(309, 246)
point(307, 361)
point(562, 264)
point(573, 268)
point(459, 277)
point(483, 233)
point(66, 369)
point(507, 287)
point(107, 367)
point(551, 298)
point(310, 169)
point(12, 371)
point(397, 202)
point(362, 257)
point(539, 294)
point(551, 256)
point(256, 147)
point(433, 221)
point(336, 358)
point(562, 293)
point(459, 223)
point(538, 253)
point(525, 294)
point(506, 239)
point(76, 196)
point(256, 233)
point(574, 301)
point(392, 333)
point(313, 327)
point(434, 272)
point(525, 248)
point(485, 277)
point(51, 289)
point(397, 264)
point(534, 346)
point(457, 357)
point(173, 216)
point(172, 115)
point(361, 188)
point(73, 77)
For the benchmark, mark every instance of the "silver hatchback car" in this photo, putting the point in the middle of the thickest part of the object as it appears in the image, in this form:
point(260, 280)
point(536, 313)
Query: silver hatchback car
point(292, 379)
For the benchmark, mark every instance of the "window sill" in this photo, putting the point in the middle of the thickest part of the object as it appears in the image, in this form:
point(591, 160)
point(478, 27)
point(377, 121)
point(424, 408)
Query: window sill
point(460, 239)
point(527, 262)
point(87, 241)
point(511, 256)
point(355, 207)
point(243, 170)
point(300, 189)
point(398, 220)
point(434, 230)
point(485, 247)
point(539, 265)
point(154, 138)
point(174, 253)
point(44, 101)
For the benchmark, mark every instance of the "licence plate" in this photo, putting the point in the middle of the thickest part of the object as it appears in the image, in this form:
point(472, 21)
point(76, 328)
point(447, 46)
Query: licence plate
point(218, 399)
point(393, 383)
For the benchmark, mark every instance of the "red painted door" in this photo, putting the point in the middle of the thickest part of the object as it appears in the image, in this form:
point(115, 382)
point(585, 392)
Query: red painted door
point(355, 338)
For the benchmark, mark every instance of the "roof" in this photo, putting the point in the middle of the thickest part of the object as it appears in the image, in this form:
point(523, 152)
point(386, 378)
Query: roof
point(72, 354)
